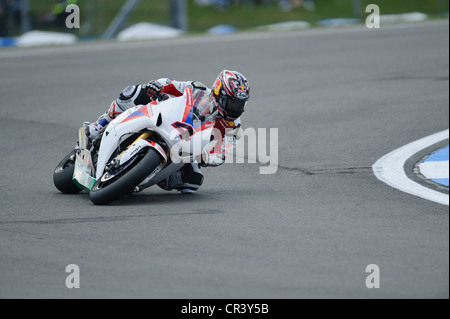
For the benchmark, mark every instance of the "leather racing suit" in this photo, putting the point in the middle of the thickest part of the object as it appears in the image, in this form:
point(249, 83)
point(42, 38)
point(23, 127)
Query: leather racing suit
point(189, 178)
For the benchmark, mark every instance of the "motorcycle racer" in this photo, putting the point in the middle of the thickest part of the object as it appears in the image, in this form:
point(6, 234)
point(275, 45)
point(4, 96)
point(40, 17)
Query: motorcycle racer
point(228, 97)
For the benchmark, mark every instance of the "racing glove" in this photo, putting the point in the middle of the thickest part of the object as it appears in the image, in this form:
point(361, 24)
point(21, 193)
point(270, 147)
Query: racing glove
point(152, 89)
point(211, 159)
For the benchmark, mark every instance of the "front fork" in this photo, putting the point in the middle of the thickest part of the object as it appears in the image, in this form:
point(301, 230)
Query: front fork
point(143, 136)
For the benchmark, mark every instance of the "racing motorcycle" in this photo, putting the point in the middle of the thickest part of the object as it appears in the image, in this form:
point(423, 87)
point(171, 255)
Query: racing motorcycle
point(141, 147)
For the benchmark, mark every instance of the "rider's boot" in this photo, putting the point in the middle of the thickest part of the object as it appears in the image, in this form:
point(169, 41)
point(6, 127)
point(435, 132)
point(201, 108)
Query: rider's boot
point(187, 180)
point(131, 96)
point(98, 126)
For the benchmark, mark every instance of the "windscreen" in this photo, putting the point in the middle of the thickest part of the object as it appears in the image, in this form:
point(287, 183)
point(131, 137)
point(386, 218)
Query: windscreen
point(203, 105)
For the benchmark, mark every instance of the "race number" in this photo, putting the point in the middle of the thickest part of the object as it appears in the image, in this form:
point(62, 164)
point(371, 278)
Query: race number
point(186, 130)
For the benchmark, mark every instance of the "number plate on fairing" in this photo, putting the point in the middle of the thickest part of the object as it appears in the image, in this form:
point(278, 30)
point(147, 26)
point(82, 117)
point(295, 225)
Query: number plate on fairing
point(84, 169)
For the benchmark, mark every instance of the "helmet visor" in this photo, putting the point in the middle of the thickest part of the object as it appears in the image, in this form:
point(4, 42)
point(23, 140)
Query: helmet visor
point(233, 107)
point(236, 105)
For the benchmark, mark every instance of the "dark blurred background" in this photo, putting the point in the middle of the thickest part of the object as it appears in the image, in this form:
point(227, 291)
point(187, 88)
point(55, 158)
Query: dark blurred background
point(19, 16)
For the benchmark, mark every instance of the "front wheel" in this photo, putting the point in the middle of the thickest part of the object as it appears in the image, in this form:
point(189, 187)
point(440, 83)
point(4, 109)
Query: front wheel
point(107, 190)
point(62, 176)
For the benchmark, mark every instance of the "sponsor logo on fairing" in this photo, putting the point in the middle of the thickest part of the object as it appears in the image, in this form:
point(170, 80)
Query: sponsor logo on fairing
point(142, 110)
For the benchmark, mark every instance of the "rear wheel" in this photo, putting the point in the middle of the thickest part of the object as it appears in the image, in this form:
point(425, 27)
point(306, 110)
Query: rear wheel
point(110, 187)
point(62, 176)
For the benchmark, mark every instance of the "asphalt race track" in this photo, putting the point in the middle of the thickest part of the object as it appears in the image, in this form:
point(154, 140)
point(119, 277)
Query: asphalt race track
point(340, 98)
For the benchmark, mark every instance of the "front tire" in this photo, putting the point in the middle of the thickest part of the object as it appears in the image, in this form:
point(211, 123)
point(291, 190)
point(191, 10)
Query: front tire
point(105, 192)
point(62, 176)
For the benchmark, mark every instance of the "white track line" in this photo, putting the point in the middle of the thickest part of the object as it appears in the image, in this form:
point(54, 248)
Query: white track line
point(389, 169)
point(434, 169)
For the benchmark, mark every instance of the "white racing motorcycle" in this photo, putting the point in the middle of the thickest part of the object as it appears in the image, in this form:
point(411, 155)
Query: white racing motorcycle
point(140, 148)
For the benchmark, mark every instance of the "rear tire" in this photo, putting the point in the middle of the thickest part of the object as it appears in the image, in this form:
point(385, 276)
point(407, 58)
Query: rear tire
point(62, 176)
point(105, 192)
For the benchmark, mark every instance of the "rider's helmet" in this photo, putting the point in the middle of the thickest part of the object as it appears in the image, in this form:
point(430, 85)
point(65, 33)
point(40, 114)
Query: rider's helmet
point(231, 92)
